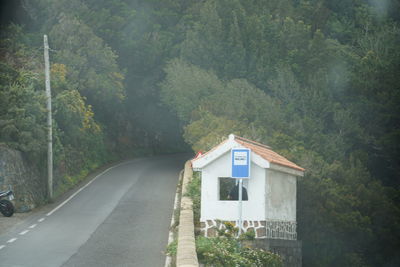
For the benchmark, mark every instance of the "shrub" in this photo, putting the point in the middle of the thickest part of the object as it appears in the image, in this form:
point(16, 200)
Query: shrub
point(259, 257)
point(228, 230)
point(172, 248)
point(193, 191)
point(223, 251)
point(248, 235)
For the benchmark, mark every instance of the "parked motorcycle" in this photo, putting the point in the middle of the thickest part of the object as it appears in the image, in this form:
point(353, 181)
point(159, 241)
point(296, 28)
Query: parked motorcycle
point(6, 206)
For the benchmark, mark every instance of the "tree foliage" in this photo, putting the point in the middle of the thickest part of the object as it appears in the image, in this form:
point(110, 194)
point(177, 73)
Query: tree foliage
point(22, 117)
point(317, 80)
point(314, 80)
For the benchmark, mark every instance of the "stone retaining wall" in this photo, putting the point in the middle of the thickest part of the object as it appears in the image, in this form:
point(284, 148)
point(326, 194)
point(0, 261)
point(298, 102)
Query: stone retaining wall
point(15, 172)
point(262, 229)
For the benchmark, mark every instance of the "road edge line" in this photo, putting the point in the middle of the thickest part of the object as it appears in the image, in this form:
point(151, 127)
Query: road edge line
point(83, 187)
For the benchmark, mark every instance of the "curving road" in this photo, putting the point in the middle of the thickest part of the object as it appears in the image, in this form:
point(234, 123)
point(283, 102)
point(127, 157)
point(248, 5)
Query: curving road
point(121, 218)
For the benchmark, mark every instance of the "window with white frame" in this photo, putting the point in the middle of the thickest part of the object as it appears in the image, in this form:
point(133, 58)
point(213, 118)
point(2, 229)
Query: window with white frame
point(229, 189)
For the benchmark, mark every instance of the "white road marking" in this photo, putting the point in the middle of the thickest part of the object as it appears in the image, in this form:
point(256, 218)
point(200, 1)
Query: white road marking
point(83, 187)
point(12, 240)
point(41, 219)
point(32, 226)
point(24, 232)
point(2, 246)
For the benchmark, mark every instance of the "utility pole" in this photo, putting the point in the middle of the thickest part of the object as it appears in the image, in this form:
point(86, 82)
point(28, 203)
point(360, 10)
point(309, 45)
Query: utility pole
point(49, 120)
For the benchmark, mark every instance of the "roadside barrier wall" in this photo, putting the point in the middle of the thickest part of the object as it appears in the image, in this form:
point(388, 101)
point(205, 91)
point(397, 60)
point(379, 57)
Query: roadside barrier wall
point(186, 251)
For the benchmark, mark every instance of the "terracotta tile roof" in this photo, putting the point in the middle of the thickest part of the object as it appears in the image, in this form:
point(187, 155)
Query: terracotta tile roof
point(263, 151)
point(266, 153)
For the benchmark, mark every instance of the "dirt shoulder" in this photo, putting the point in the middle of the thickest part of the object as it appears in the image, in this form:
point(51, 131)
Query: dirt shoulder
point(7, 223)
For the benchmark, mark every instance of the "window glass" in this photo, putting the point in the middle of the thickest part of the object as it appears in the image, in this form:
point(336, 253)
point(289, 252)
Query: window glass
point(229, 189)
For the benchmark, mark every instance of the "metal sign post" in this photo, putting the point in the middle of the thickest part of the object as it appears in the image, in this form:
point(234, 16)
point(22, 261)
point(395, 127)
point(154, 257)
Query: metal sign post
point(240, 205)
point(240, 169)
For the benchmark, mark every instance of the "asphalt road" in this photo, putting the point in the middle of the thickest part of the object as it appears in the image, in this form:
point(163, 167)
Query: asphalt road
point(121, 218)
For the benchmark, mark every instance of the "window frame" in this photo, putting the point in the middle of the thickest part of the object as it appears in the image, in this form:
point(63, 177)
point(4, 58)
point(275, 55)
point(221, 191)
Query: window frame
point(245, 185)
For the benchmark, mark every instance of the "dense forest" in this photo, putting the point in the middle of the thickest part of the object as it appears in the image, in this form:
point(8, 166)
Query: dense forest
point(317, 80)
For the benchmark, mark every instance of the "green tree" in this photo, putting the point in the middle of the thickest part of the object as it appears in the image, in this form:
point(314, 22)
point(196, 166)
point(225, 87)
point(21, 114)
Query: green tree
point(22, 116)
point(185, 86)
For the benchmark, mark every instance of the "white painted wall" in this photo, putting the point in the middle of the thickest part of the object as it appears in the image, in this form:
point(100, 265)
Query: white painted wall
point(212, 208)
point(280, 196)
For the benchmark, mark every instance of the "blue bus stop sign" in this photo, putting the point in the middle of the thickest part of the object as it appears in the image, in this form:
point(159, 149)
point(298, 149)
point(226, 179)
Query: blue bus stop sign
point(240, 163)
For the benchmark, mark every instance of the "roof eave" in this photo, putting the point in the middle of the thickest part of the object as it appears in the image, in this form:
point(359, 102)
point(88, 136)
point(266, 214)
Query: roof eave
point(204, 160)
point(288, 170)
point(207, 158)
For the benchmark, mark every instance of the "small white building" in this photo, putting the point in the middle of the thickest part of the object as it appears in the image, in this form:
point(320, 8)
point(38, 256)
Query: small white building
point(270, 209)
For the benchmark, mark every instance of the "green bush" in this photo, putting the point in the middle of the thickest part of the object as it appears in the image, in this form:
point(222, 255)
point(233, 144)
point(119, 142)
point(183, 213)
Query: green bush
point(222, 251)
point(229, 230)
point(193, 191)
point(248, 235)
point(172, 248)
